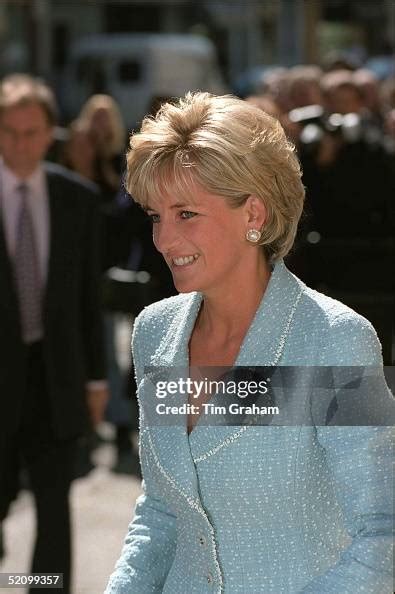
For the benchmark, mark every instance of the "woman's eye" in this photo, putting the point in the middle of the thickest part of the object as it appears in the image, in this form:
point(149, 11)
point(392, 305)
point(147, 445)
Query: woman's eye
point(187, 214)
point(153, 217)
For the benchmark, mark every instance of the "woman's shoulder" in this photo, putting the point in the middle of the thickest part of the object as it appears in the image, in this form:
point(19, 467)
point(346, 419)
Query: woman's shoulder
point(332, 312)
point(348, 338)
point(157, 316)
point(315, 310)
point(152, 324)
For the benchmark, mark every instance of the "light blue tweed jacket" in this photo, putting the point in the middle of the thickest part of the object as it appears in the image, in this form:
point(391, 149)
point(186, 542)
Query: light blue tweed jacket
point(266, 510)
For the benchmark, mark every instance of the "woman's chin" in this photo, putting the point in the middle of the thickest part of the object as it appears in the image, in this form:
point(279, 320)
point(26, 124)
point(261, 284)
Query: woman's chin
point(185, 283)
point(185, 287)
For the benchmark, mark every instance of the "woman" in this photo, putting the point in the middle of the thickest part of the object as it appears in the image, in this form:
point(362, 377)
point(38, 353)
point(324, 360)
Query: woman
point(95, 150)
point(101, 116)
point(246, 509)
point(79, 153)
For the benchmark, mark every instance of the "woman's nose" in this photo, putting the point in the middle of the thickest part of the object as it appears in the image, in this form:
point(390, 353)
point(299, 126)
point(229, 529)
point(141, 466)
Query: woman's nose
point(165, 236)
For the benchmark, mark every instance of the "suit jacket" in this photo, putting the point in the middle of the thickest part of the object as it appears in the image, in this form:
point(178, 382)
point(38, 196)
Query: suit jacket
point(72, 343)
point(269, 509)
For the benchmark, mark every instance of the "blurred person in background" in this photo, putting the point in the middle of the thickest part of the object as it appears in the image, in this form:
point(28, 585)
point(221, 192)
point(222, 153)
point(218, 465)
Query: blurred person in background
point(341, 92)
point(303, 90)
point(96, 150)
point(79, 152)
point(369, 87)
point(52, 372)
point(101, 116)
point(136, 253)
point(339, 60)
point(266, 104)
point(387, 93)
point(343, 126)
point(275, 85)
point(304, 86)
point(348, 172)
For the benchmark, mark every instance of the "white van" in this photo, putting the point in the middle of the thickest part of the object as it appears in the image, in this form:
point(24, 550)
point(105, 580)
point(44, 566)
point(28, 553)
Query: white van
point(134, 68)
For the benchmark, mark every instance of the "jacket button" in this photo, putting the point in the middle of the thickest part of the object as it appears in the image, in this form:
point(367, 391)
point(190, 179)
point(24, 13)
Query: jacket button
point(202, 541)
point(209, 578)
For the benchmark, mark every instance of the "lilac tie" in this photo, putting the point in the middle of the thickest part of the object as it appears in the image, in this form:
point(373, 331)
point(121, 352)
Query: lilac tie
point(27, 274)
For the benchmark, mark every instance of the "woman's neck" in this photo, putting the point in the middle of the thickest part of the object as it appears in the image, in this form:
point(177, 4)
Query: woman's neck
point(228, 316)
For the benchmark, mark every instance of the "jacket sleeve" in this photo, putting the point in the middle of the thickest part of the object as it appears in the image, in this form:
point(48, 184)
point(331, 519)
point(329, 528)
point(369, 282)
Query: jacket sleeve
point(149, 547)
point(148, 550)
point(360, 459)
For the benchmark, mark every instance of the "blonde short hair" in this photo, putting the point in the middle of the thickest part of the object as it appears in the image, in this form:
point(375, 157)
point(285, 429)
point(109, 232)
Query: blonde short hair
point(229, 148)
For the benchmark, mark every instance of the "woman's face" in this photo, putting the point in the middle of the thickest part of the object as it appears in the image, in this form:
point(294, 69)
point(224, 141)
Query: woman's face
point(80, 148)
point(101, 124)
point(202, 240)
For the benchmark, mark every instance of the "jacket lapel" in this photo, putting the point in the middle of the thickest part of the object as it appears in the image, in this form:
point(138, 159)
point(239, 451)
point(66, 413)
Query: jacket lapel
point(9, 295)
point(262, 347)
point(173, 350)
point(170, 442)
point(271, 324)
point(61, 244)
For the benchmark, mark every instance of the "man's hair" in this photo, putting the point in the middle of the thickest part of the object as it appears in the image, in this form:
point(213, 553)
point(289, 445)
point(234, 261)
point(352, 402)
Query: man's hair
point(229, 148)
point(19, 90)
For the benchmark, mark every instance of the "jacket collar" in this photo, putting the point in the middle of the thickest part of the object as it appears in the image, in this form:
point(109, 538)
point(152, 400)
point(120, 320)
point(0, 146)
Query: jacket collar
point(261, 343)
point(261, 346)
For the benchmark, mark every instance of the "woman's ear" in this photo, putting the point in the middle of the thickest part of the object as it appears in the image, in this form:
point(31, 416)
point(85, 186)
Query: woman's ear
point(256, 211)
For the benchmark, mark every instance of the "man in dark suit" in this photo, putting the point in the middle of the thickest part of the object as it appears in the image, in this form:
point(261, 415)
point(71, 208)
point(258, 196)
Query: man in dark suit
point(51, 351)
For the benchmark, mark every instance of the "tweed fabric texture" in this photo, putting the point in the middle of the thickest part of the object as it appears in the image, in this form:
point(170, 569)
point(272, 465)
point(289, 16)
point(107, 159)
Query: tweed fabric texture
point(262, 510)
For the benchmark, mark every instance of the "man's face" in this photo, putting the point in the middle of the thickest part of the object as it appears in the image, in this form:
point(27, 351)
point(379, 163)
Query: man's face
point(25, 136)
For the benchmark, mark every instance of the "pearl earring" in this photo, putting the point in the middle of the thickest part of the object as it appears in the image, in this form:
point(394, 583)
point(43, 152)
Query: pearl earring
point(253, 235)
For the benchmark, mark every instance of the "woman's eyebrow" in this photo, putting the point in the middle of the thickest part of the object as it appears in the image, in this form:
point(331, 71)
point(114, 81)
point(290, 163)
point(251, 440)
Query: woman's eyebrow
point(177, 205)
point(181, 205)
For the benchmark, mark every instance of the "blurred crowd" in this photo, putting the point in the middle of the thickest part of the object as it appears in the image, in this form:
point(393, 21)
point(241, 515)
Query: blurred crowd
point(342, 121)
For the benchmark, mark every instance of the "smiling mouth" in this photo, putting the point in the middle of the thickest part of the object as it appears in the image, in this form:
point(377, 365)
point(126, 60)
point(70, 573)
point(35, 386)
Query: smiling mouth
point(184, 260)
